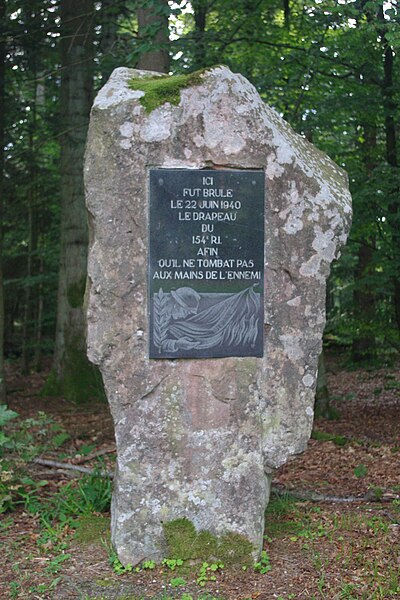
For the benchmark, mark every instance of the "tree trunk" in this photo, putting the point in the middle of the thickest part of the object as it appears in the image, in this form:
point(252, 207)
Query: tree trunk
point(363, 346)
point(364, 305)
point(390, 110)
point(153, 28)
point(286, 10)
point(200, 16)
point(39, 323)
point(2, 126)
point(110, 11)
point(322, 407)
point(76, 378)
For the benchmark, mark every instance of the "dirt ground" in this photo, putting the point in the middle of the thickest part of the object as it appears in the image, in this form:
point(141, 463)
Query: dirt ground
point(340, 539)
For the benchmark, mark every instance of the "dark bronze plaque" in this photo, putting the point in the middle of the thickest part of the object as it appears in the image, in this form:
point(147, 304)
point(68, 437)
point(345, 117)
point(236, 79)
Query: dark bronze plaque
point(206, 263)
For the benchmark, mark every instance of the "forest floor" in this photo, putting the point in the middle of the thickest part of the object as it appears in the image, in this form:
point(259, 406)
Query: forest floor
point(337, 536)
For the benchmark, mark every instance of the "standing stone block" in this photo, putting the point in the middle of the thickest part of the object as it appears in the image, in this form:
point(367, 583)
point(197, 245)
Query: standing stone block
point(199, 437)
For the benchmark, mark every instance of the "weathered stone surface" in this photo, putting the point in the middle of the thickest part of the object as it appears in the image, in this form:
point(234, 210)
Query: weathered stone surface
point(201, 438)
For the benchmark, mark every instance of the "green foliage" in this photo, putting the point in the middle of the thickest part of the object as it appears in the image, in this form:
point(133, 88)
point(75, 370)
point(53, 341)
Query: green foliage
point(172, 563)
point(263, 565)
point(117, 566)
point(360, 471)
point(91, 494)
point(207, 572)
point(280, 504)
point(6, 415)
point(177, 582)
point(26, 439)
point(321, 66)
point(20, 442)
point(338, 440)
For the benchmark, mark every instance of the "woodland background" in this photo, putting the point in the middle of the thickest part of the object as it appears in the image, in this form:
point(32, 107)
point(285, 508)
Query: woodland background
point(329, 67)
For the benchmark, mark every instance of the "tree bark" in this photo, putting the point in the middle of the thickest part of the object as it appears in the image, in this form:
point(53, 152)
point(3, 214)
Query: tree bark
point(286, 11)
point(322, 407)
point(77, 379)
point(2, 127)
point(153, 28)
point(364, 305)
point(110, 11)
point(363, 346)
point(200, 17)
point(390, 110)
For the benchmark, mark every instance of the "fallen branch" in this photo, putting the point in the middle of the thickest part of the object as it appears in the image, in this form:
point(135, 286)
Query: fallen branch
point(55, 464)
point(96, 454)
point(370, 496)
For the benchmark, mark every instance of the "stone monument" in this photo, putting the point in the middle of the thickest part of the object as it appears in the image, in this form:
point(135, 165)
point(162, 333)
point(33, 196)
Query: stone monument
point(212, 230)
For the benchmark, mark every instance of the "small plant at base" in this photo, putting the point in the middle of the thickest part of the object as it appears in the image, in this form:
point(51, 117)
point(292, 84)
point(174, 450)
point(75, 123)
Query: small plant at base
point(119, 568)
point(14, 589)
point(360, 471)
point(263, 565)
point(206, 573)
point(54, 565)
point(149, 564)
point(172, 563)
point(346, 591)
point(177, 582)
point(114, 561)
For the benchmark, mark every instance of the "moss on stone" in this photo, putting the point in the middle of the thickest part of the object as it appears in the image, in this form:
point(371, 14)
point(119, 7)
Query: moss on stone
point(180, 536)
point(76, 293)
point(183, 541)
point(206, 546)
point(164, 88)
point(234, 548)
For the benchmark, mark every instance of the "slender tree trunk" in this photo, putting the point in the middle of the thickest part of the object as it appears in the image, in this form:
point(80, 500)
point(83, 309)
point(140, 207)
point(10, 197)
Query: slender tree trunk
point(153, 15)
point(110, 11)
point(32, 237)
point(39, 322)
point(26, 322)
point(200, 18)
point(364, 346)
point(286, 10)
point(2, 126)
point(322, 407)
point(77, 377)
point(390, 110)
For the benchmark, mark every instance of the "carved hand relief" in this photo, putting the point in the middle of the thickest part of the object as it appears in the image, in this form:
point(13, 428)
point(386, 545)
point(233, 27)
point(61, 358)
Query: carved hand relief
point(206, 226)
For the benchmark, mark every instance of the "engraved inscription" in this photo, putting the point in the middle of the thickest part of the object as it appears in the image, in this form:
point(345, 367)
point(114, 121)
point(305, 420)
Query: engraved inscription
point(206, 263)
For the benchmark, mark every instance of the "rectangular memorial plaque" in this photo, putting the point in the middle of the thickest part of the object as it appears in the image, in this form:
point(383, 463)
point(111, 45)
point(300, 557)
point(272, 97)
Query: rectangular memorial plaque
point(206, 263)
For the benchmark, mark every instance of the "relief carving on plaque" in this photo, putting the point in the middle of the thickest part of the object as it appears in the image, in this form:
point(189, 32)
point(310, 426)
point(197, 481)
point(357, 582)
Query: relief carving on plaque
point(185, 319)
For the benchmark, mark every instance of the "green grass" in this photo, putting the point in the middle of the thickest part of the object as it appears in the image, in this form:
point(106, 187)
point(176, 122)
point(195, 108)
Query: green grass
point(322, 436)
